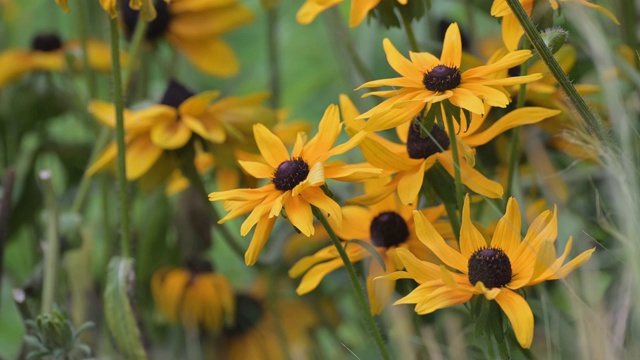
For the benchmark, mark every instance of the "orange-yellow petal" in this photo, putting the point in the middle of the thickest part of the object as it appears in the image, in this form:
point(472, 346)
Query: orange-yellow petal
point(519, 314)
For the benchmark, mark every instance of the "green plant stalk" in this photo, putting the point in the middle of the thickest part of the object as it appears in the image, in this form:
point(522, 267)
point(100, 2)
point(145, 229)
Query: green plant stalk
point(81, 15)
point(83, 188)
point(134, 51)
point(274, 59)
point(344, 39)
point(411, 36)
point(272, 299)
point(53, 244)
point(121, 168)
point(515, 133)
point(189, 170)
point(363, 305)
point(629, 25)
point(561, 77)
point(453, 218)
point(456, 160)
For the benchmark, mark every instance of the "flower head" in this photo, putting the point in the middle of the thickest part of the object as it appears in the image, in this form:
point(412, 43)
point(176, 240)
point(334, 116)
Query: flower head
point(294, 181)
point(427, 79)
point(493, 269)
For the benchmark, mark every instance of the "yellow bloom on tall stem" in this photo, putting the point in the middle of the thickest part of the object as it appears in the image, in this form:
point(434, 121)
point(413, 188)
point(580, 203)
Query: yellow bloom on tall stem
point(386, 226)
point(494, 269)
point(294, 182)
point(359, 10)
point(410, 160)
point(428, 80)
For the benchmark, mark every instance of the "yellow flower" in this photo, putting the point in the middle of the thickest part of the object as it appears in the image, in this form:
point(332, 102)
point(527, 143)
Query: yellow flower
point(429, 80)
point(359, 10)
point(48, 53)
point(386, 226)
point(194, 296)
point(409, 161)
point(294, 181)
point(494, 269)
point(511, 29)
point(195, 28)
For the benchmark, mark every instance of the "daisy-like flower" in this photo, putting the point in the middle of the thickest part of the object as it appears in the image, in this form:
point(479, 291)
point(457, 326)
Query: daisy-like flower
point(494, 269)
point(48, 52)
point(511, 29)
point(417, 154)
point(386, 226)
point(171, 124)
point(359, 10)
point(429, 80)
point(195, 28)
point(294, 181)
point(194, 295)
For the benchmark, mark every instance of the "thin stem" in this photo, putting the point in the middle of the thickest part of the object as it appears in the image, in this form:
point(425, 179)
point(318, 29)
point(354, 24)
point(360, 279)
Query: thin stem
point(134, 51)
point(411, 37)
point(515, 133)
point(83, 188)
point(629, 25)
point(272, 302)
point(363, 305)
point(82, 34)
point(189, 170)
point(120, 158)
point(561, 77)
point(343, 37)
point(53, 244)
point(453, 219)
point(274, 59)
point(456, 160)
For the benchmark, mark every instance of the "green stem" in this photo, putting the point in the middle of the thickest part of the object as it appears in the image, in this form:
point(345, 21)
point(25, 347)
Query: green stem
point(363, 305)
point(456, 160)
point(411, 36)
point(629, 25)
point(453, 218)
point(83, 188)
point(134, 51)
point(515, 133)
point(189, 170)
point(120, 158)
point(82, 34)
point(53, 244)
point(561, 77)
point(343, 37)
point(274, 60)
point(272, 302)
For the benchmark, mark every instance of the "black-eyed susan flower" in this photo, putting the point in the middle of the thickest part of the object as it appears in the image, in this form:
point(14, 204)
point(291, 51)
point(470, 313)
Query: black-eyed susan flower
point(295, 181)
point(495, 270)
point(359, 10)
point(386, 226)
point(194, 296)
point(417, 154)
point(428, 80)
point(171, 124)
point(48, 52)
point(195, 28)
point(511, 29)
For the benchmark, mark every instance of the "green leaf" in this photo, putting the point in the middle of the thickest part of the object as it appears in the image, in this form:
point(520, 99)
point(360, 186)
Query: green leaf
point(118, 312)
point(372, 250)
point(12, 328)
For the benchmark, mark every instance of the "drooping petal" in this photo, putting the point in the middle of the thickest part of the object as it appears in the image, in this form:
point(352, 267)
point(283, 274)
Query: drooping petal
point(316, 197)
point(141, 153)
point(466, 99)
point(434, 241)
point(471, 177)
point(260, 236)
point(300, 215)
point(379, 291)
point(271, 147)
point(312, 8)
point(170, 134)
point(210, 55)
point(104, 160)
point(359, 10)
point(519, 314)
point(410, 183)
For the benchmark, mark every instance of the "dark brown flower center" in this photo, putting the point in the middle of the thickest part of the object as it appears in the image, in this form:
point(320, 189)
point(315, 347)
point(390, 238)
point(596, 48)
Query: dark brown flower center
point(419, 147)
point(175, 94)
point(155, 28)
point(47, 42)
point(290, 173)
point(442, 78)
point(249, 312)
point(491, 266)
point(388, 229)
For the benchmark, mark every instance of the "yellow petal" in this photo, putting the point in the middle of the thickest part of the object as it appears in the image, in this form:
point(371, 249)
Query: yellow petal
point(257, 169)
point(316, 197)
point(259, 240)
point(410, 183)
point(104, 160)
point(466, 99)
point(380, 291)
point(511, 32)
point(424, 61)
point(420, 271)
point(300, 215)
point(314, 276)
point(473, 179)
point(359, 10)
point(170, 135)
point(211, 55)
point(399, 63)
point(471, 240)
point(519, 314)
point(434, 241)
point(209, 23)
point(452, 47)
point(141, 153)
point(507, 233)
point(271, 147)
point(311, 8)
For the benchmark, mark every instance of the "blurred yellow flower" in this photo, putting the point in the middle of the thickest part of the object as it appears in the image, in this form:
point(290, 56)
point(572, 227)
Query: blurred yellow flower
point(359, 9)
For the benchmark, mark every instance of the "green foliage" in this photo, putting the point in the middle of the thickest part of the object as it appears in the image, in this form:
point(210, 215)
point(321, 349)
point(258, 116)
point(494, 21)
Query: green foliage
point(54, 336)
